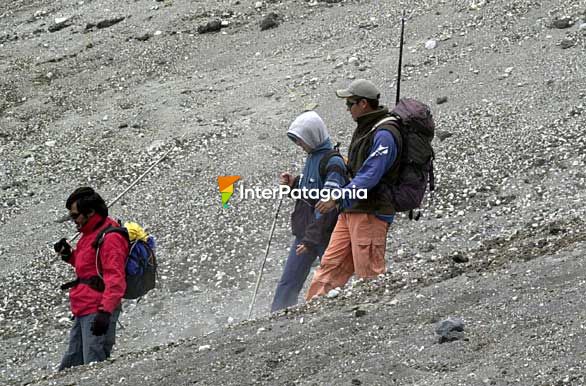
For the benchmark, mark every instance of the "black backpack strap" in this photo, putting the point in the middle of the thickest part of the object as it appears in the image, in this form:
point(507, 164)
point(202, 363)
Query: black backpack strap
point(94, 282)
point(324, 170)
point(70, 284)
point(100, 239)
point(431, 178)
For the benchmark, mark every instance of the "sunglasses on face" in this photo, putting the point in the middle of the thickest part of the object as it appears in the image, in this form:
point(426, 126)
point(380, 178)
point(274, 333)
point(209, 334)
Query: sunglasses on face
point(74, 215)
point(350, 103)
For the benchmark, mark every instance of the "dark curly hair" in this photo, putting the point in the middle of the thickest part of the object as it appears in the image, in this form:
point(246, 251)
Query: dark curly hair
point(87, 200)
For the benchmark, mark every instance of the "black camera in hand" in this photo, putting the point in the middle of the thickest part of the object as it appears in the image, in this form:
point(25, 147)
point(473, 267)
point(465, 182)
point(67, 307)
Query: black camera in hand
point(63, 248)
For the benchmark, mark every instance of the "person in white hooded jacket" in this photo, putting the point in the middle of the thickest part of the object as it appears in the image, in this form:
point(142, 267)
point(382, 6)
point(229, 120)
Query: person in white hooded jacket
point(311, 229)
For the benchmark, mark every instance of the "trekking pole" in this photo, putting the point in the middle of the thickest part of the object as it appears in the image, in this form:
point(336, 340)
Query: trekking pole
point(136, 181)
point(265, 258)
point(400, 59)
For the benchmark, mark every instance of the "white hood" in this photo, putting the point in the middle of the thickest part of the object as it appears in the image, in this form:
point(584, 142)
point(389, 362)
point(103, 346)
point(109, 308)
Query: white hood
point(310, 128)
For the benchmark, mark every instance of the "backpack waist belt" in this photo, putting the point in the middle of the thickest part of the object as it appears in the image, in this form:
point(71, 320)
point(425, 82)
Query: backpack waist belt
point(94, 282)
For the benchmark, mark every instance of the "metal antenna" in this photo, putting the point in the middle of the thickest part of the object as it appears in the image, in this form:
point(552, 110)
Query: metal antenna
point(400, 59)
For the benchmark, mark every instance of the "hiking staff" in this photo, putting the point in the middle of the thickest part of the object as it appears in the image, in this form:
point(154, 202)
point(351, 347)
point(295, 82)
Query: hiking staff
point(136, 181)
point(265, 258)
point(400, 59)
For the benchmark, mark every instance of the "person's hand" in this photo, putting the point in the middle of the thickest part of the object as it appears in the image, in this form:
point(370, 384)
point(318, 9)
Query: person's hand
point(325, 206)
point(286, 179)
point(63, 248)
point(101, 323)
point(301, 249)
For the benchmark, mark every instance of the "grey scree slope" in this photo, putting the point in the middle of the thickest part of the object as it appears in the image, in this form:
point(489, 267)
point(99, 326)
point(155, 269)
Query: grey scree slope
point(96, 105)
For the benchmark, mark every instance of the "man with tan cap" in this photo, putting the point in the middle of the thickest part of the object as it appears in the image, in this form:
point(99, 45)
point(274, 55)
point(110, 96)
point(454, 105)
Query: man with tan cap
point(357, 245)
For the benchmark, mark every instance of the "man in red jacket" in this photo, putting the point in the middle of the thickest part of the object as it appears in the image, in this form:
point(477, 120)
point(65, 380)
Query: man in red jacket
point(100, 283)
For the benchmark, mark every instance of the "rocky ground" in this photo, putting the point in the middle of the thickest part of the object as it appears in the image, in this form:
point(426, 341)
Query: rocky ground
point(92, 92)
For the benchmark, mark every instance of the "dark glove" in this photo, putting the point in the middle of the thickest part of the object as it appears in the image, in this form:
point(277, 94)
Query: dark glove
point(101, 323)
point(63, 248)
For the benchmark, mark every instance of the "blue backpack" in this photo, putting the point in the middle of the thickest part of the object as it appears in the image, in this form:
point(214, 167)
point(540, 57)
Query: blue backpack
point(141, 263)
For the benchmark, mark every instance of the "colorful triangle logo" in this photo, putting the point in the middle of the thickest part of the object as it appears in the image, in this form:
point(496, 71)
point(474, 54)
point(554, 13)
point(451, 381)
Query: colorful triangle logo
point(226, 186)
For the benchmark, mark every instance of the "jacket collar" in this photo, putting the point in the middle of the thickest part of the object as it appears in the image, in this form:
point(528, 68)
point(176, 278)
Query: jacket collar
point(366, 121)
point(92, 224)
point(325, 145)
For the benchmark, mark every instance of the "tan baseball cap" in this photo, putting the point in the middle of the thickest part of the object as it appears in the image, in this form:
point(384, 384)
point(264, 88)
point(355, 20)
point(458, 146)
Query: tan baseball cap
point(359, 88)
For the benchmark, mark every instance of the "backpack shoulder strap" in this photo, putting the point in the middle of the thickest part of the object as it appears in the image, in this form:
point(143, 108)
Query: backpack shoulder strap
point(100, 240)
point(324, 170)
point(385, 120)
point(111, 229)
point(392, 124)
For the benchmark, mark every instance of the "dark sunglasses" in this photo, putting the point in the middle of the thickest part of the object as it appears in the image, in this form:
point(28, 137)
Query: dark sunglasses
point(74, 216)
point(350, 103)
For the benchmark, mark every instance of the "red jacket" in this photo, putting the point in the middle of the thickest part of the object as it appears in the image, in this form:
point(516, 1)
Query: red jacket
point(113, 251)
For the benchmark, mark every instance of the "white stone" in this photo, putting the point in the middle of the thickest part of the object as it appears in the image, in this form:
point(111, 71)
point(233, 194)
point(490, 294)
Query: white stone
point(353, 60)
point(50, 143)
point(157, 33)
point(205, 347)
point(431, 44)
point(333, 293)
point(64, 321)
point(61, 20)
point(258, 4)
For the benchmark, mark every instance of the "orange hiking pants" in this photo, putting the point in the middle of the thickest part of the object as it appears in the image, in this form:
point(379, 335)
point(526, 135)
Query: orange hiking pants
point(357, 246)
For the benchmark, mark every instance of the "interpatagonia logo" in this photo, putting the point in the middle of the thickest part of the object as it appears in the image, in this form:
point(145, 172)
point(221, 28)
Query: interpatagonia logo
point(226, 185)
